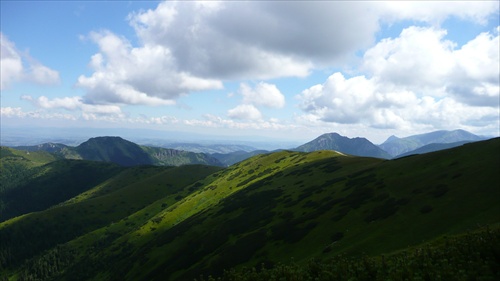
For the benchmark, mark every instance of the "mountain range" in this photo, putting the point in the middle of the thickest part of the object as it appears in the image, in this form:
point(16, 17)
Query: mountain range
point(320, 214)
point(124, 152)
point(353, 146)
point(393, 147)
point(396, 147)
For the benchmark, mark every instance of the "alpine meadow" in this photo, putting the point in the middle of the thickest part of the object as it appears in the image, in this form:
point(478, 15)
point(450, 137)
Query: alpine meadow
point(270, 140)
point(285, 215)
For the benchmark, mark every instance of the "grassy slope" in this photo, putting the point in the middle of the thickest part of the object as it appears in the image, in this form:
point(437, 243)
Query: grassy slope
point(108, 202)
point(54, 183)
point(290, 204)
point(302, 211)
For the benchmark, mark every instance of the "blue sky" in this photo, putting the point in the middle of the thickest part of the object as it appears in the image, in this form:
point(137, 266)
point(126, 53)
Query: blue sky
point(286, 70)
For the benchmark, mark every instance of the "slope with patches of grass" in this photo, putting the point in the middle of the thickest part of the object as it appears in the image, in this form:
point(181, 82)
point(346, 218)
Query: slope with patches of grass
point(283, 205)
point(110, 201)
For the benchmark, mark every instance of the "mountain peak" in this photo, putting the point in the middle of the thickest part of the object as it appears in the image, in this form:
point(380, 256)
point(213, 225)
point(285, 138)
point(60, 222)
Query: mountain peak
point(113, 149)
point(105, 139)
point(334, 141)
point(392, 138)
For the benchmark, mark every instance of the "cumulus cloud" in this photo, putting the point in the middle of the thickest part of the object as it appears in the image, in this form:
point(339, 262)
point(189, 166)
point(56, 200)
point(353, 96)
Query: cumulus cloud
point(10, 63)
point(416, 78)
point(245, 112)
point(17, 67)
point(266, 39)
point(249, 40)
point(17, 112)
point(76, 104)
point(435, 12)
point(186, 46)
point(145, 75)
point(263, 94)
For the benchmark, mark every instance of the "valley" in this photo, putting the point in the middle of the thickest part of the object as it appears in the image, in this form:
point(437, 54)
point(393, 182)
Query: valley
point(94, 218)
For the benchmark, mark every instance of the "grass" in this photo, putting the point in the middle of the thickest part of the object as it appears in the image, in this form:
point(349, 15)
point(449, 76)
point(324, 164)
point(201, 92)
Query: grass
point(470, 256)
point(196, 220)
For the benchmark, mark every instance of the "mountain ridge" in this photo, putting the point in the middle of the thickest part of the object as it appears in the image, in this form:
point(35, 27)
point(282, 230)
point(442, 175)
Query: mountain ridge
point(123, 152)
point(175, 223)
point(353, 146)
point(396, 146)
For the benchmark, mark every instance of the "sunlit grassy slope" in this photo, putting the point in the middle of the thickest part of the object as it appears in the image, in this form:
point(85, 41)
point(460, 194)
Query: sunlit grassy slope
point(178, 224)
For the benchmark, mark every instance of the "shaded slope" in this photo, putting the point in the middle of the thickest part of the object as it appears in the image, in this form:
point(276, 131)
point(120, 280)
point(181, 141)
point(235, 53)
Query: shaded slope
point(53, 183)
point(354, 146)
point(125, 194)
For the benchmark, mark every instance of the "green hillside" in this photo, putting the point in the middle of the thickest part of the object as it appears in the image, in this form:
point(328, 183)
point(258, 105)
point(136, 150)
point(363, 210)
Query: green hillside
point(182, 222)
point(19, 167)
point(134, 191)
point(52, 184)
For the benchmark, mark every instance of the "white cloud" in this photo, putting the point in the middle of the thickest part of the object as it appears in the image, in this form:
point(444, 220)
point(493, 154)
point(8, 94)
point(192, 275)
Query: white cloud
point(248, 40)
point(418, 58)
point(11, 112)
point(187, 46)
point(213, 121)
point(17, 67)
point(264, 94)
point(245, 112)
point(267, 39)
point(127, 75)
point(10, 63)
point(17, 112)
point(435, 12)
point(75, 104)
point(417, 79)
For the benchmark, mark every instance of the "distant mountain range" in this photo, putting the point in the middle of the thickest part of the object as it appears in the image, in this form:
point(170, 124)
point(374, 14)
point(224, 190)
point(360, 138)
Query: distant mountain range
point(393, 147)
point(127, 153)
point(124, 152)
point(398, 146)
point(354, 146)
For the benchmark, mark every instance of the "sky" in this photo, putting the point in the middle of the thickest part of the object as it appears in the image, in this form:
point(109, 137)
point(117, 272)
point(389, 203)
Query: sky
point(289, 70)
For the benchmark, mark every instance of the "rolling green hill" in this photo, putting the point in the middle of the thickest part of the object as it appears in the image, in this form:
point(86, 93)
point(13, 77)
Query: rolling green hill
point(141, 191)
point(155, 223)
